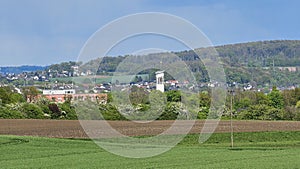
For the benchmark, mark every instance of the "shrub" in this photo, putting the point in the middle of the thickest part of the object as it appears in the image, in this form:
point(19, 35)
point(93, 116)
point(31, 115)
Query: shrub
point(69, 110)
point(297, 116)
point(55, 111)
point(290, 112)
point(245, 115)
point(173, 96)
point(170, 113)
point(202, 115)
point(110, 112)
point(6, 113)
point(32, 111)
point(274, 114)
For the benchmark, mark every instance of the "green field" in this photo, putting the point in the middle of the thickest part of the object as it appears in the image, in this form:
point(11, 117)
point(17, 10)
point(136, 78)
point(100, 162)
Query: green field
point(253, 150)
point(97, 80)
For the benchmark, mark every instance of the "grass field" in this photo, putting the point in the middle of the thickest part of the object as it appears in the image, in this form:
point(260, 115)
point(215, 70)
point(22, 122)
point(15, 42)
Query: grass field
point(253, 150)
point(100, 79)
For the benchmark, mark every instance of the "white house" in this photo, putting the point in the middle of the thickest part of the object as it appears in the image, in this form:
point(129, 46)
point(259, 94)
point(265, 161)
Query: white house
point(69, 91)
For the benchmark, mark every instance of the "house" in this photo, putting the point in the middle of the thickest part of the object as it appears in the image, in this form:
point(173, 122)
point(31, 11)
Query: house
point(290, 69)
point(58, 92)
point(60, 96)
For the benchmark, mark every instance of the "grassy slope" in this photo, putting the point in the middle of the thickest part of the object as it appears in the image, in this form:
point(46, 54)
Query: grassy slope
point(255, 150)
point(106, 79)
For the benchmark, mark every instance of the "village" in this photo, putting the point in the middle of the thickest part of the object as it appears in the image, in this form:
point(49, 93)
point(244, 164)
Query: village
point(59, 91)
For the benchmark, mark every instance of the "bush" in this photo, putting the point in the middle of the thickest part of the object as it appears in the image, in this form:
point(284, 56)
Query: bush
point(297, 116)
point(7, 96)
point(55, 111)
point(245, 115)
point(6, 113)
point(290, 113)
point(173, 96)
point(69, 111)
point(32, 111)
point(274, 114)
point(170, 113)
point(89, 110)
point(202, 115)
point(110, 112)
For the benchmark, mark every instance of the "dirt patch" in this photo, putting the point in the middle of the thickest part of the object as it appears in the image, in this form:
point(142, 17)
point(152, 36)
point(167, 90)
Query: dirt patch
point(73, 129)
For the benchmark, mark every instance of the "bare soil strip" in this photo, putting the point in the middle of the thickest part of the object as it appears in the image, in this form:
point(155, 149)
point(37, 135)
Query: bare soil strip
point(73, 129)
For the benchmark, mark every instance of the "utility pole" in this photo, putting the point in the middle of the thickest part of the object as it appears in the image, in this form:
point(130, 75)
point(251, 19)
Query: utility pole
point(231, 91)
point(231, 126)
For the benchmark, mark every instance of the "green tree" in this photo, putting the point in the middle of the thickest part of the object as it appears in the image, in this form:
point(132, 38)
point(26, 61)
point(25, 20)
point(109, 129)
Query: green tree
point(204, 104)
point(4, 95)
point(16, 98)
point(109, 97)
point(8, 96)
point(173, 96)
point(255, 112)
point(7, 113)
point(43, 103)
point(274, 114)
point(243, 103)
point(109, 112)
point(69, 110)
point(261, 98)
point(276, 98)
point(170, 113)
point(32, 111)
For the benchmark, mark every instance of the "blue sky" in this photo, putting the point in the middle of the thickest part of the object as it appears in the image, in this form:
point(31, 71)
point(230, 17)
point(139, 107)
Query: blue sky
point(35, 32)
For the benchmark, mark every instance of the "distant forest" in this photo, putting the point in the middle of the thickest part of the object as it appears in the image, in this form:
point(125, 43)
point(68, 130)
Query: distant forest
point(254, 62)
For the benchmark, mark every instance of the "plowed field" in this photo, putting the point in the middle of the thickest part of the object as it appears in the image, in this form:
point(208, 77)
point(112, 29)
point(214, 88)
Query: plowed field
point(73, 129)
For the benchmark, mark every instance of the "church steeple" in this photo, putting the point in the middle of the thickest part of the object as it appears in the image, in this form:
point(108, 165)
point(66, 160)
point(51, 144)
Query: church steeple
point(160, 81)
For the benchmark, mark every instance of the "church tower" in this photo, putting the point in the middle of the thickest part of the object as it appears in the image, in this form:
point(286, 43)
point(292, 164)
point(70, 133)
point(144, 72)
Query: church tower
point(160, 81)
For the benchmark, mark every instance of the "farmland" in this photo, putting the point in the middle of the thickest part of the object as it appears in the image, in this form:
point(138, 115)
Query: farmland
point(258, 144)
point(254, 150)
point(73, 129)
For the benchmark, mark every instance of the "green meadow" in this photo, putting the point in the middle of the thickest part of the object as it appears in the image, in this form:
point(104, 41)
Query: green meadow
point(97, 80)
point(251, 150)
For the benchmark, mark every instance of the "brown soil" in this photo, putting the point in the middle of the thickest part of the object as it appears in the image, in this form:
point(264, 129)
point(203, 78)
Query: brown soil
point(73, 129)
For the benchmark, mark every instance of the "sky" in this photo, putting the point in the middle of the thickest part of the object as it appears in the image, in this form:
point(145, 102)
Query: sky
point(35, 32)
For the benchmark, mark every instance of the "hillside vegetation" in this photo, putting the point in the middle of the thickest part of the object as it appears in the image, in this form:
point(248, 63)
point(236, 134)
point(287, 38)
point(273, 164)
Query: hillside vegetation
point(257, 63)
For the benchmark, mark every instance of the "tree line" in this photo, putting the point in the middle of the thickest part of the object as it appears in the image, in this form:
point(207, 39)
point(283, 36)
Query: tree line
point(276, 105)
point(246, 105)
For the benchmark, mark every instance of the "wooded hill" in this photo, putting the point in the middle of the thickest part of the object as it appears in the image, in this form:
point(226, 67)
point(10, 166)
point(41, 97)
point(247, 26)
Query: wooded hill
point(284, 53)
point(259, 63)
